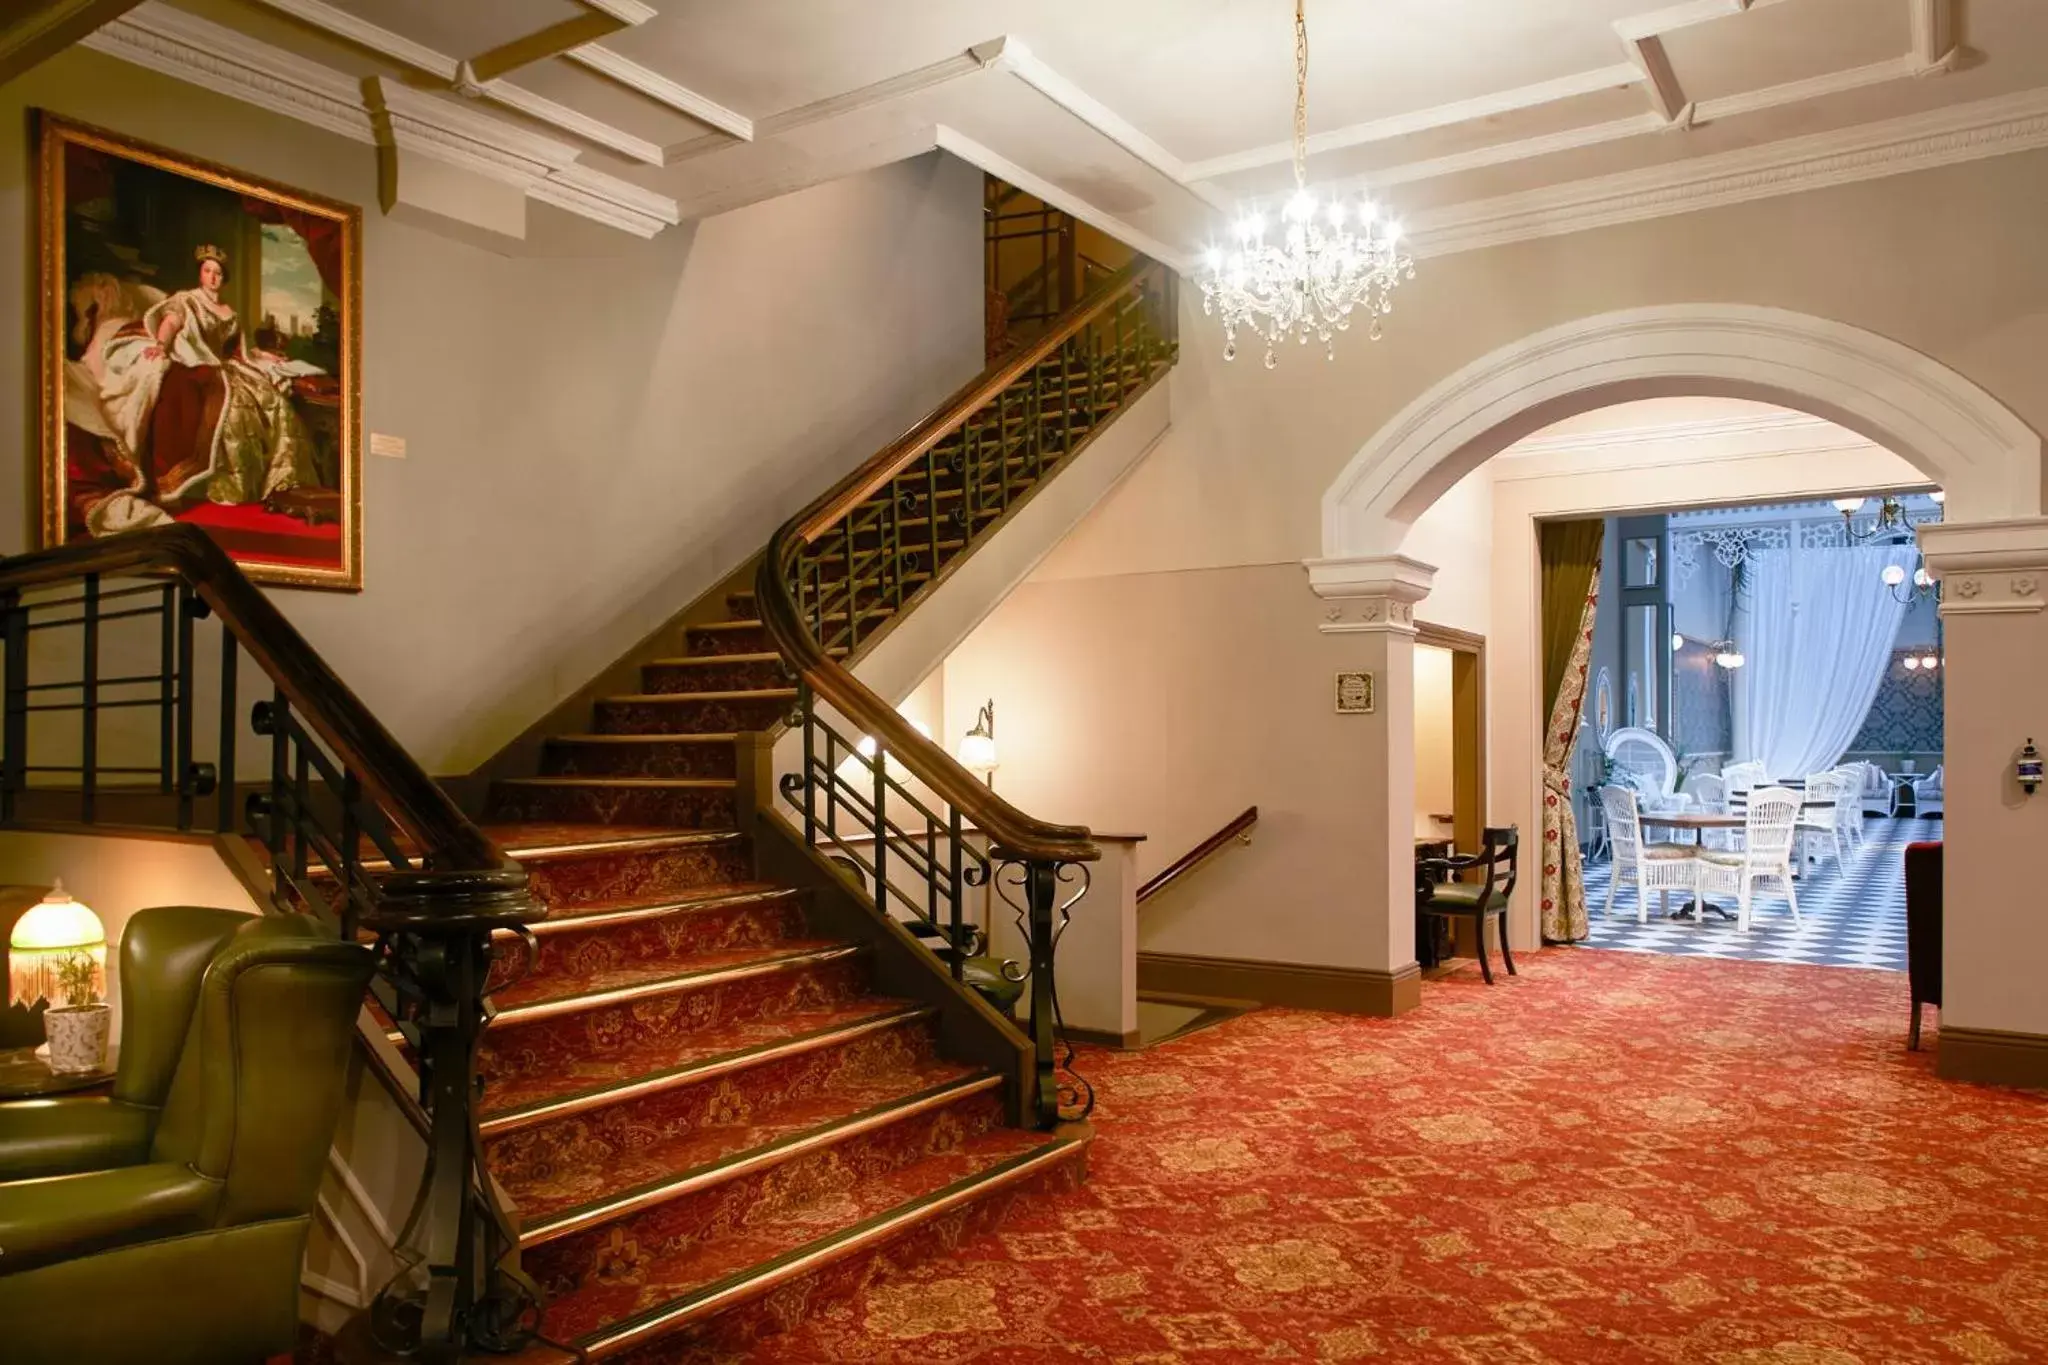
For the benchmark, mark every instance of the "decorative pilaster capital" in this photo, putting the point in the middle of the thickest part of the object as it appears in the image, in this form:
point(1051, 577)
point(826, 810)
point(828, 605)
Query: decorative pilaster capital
point(1369, 593)
point(1988, 567)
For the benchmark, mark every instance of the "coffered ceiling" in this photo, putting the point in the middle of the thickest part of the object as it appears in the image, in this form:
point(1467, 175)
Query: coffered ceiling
point(1478, 120)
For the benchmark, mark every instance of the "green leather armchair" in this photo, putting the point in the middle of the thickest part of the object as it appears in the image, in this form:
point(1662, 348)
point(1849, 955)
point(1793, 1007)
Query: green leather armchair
point(166, 1222)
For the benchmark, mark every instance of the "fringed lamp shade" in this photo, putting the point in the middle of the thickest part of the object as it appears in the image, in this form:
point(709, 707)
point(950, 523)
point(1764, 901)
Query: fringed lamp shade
point(48, 936)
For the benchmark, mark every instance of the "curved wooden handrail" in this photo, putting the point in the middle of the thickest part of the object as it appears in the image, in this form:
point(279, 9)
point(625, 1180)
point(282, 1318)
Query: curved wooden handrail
point(448, 840)
point(1200, 853)
point(1012, 833)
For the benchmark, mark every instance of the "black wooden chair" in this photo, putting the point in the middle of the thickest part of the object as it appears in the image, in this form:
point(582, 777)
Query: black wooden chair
point(1478, 900)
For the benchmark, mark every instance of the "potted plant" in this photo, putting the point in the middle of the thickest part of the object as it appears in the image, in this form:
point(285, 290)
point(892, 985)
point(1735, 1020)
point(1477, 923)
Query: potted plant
point(78, 1028)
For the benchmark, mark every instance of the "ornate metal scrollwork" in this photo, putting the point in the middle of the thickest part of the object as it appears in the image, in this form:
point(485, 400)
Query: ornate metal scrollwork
point(1043, 913)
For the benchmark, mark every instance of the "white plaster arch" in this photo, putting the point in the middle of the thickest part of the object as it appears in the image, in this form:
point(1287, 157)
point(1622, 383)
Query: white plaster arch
point(1988, 460)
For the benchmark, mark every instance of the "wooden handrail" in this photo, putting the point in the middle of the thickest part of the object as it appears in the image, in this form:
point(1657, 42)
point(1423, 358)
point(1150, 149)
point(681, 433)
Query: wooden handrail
point(447, 838)
point(1200, 853)
point(1012, 833)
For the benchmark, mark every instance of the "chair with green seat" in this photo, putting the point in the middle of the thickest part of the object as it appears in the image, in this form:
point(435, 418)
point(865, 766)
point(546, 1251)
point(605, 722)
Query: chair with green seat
point(166, 1222)
point(1483, 898)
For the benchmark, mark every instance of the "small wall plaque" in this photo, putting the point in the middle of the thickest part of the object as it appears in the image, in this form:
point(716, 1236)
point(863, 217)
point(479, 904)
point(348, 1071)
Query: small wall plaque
point(1354, 694)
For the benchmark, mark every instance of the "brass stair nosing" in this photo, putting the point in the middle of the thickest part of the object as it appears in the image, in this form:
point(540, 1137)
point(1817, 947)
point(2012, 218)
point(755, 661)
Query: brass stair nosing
point(696, 1073)
point(729, 695)
point(756, 1159)
point(631, 843)
point(684, 905)
point(738, 1288)
point(581, 780)
point(534, 1011)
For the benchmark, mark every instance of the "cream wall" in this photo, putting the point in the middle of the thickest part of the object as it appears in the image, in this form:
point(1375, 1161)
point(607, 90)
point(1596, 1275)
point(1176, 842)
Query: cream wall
point(594, 438)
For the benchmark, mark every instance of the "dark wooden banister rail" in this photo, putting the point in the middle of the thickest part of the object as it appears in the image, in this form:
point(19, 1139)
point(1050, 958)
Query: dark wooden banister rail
point(1200, 853)
point(1012, 832)
point(449, 841)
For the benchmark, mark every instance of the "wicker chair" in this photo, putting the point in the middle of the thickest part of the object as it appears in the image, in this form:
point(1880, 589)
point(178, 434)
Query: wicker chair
point(1662, 868)
point(1766, 854)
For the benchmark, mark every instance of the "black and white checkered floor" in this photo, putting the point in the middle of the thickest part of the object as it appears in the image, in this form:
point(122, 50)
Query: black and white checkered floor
point(1854, 916)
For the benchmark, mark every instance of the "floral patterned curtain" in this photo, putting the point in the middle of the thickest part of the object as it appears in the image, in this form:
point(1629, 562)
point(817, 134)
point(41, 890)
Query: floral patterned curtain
point(1571, 596)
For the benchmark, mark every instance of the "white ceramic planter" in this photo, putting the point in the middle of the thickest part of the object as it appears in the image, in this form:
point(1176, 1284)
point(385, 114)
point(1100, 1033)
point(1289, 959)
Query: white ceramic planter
point(78, 1036)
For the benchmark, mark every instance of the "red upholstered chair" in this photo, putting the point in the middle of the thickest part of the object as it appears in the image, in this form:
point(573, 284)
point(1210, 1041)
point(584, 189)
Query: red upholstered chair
point(1923, 930)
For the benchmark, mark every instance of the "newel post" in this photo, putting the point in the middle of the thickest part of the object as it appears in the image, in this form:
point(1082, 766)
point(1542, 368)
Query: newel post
point(461, 1294)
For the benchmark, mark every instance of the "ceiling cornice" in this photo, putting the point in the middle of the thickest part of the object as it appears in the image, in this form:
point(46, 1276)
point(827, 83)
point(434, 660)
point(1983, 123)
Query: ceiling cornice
point(219, 59)
point(1869, 151)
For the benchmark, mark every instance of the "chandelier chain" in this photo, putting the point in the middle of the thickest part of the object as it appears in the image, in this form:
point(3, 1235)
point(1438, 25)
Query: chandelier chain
point(1300, 95)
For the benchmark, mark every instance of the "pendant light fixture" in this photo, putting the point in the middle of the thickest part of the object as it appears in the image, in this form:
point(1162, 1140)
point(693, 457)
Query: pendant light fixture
point(1326, 261)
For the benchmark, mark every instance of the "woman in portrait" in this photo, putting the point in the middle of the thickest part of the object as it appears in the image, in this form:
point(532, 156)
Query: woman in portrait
point(195, 410)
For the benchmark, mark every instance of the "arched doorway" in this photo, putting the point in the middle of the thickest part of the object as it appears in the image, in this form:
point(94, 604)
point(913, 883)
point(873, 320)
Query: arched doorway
point(1956, 435)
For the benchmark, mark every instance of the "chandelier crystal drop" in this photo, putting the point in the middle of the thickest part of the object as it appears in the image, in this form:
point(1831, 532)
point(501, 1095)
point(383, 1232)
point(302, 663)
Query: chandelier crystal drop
point(1325, 259)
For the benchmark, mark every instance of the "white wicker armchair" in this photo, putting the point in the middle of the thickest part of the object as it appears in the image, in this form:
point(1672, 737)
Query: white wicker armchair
point(1927, 794)
point(1766, 854)
point(1662, 868)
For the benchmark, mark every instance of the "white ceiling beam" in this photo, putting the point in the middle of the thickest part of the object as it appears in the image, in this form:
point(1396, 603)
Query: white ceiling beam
point(376, 113)
point(659, 88)
point(544, 110)
point(1686, 14)
point(629, 13)
point(463, 77)
point(1021, 62)
point(1660, 82)
point(1001, 167)
point(1504, 153)
point(39, 29)
point(1422, 120)
point(1799, 92)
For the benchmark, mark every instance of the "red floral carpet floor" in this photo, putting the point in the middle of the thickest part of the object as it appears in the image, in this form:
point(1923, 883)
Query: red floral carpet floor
point(1612, 1158)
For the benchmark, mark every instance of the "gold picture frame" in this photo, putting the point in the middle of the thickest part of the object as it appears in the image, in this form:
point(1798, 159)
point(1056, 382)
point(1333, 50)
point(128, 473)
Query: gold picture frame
point(159, 399)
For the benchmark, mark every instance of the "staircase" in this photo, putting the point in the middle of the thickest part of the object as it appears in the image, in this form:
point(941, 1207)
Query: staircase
point(696, 1099)
point(714, 1075)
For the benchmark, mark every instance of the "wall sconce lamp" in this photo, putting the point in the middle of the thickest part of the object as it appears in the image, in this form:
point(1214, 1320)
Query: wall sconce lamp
point(2027, 769)
point(978, 746)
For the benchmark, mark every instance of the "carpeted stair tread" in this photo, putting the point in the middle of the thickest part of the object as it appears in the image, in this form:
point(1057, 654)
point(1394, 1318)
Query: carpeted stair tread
point(626, 910)
point(551, 993)
point(654, 1290)
point(642, 1067)
point(678, 698)
point(624, 1181)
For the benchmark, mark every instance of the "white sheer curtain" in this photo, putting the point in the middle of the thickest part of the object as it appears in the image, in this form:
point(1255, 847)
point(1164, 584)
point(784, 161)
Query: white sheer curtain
point(1816, 629)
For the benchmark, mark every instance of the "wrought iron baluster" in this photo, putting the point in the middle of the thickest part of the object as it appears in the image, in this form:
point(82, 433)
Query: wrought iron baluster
point(167, 667)
point(89, 711)
point(188, 611)
point(954, 891)
point(931, 502)
point(880, 765)
point(230, 652)
point(852, 587)
point(803, 696)
point(273, 718)
point(830, 781)
point(302, 806)
point(350, 849)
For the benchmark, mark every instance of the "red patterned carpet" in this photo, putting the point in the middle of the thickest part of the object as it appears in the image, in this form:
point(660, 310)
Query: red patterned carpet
point(1614, 1158)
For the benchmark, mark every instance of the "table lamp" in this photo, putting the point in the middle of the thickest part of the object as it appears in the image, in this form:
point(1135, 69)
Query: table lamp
point(48, 936)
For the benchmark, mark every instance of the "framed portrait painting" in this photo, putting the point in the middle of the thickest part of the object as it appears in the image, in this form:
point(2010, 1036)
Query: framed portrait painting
point(201, 356)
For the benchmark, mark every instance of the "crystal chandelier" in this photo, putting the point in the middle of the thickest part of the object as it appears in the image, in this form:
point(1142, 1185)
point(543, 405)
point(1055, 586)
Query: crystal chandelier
point(1327, 261)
